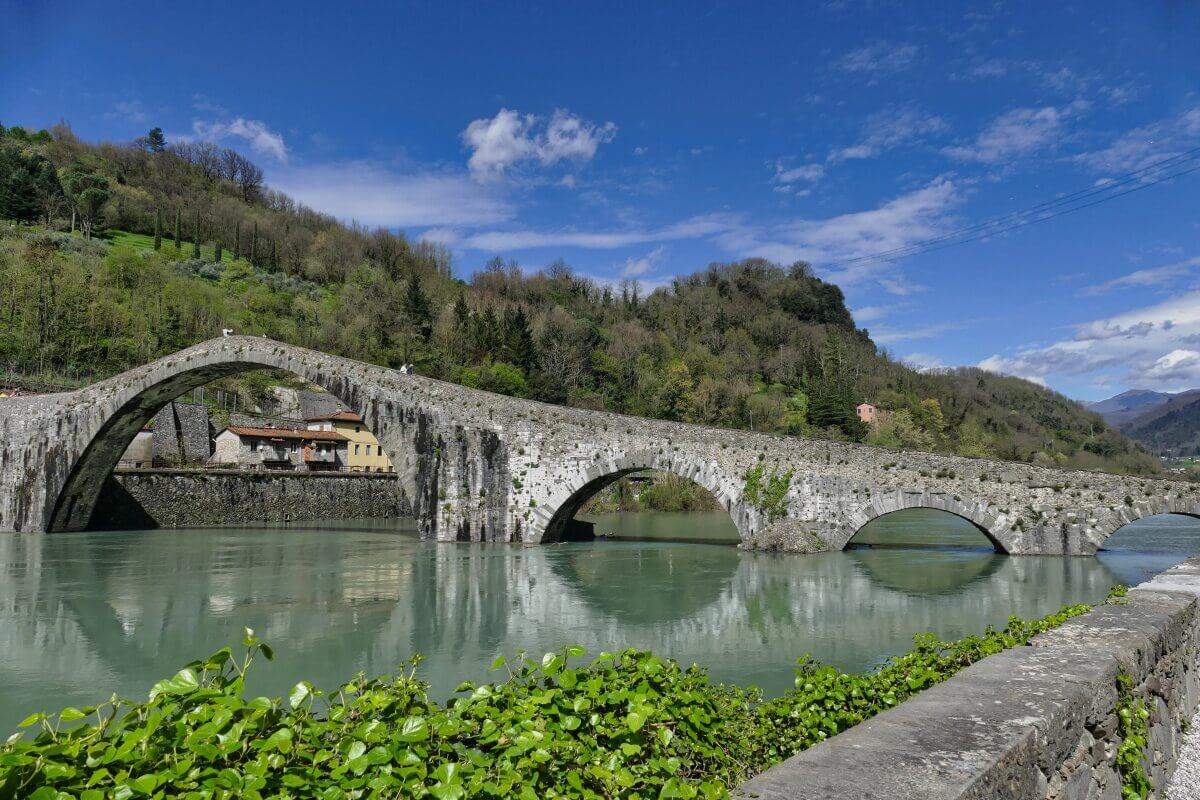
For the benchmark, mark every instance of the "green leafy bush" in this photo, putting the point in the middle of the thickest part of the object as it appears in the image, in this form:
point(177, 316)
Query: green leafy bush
point(625, 725)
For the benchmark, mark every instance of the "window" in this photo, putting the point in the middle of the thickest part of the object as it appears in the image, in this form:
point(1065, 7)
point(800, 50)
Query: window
point(254, 445)
point(368, 449)
point(355, 449)
point(358, 429)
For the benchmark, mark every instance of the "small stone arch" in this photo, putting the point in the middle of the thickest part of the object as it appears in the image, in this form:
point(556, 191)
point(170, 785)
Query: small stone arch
point(120, 407)
point(564, 501)
point(1109, 521)
point(978, 514)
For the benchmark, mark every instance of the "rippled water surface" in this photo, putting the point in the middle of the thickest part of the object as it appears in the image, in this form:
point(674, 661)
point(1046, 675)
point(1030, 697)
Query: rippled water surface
point(82, 615)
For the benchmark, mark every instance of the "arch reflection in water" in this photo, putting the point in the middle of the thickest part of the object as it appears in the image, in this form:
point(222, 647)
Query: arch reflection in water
point(85, 614)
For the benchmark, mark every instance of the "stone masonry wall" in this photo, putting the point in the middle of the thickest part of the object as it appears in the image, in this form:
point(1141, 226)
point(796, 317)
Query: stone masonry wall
point(182, 434)
point(1031, 722)
point(180, 498)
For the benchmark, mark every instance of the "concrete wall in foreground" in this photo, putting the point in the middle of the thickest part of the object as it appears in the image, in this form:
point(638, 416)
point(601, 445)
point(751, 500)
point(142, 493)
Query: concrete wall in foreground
point(1031, 722)
point(138, 499)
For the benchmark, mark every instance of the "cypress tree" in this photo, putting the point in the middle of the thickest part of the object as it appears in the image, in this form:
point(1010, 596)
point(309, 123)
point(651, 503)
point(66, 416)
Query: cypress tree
point(217, 252)
point(177, 215)
point(416, 304)
point(196, 239)
point(462, 316)
point(157, 229)
point(254, 245)
point(237, 239)
point(520, 346)
point(274, 255)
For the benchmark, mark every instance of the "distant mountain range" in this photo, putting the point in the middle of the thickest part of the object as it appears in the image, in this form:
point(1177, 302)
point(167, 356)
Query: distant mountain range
point(1167, 423)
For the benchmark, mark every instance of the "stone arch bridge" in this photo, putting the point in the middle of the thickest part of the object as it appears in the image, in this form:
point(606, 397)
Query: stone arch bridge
point(475, 466)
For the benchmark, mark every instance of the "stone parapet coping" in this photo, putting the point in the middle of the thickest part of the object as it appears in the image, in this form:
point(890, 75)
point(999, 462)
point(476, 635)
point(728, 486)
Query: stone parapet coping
point(1030, 722)
point(253, 473)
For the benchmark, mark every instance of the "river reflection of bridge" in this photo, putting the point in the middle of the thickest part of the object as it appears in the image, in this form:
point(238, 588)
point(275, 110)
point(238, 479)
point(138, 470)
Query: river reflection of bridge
point(84, 614)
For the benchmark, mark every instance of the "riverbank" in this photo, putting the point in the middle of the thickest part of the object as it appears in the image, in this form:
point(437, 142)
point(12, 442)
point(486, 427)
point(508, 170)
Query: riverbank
point(629, 724)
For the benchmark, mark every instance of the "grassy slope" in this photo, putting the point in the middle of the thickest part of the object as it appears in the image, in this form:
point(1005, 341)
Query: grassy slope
point(140, 241)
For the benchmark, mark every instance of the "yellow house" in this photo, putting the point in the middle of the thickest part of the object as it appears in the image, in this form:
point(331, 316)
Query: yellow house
point(363, 453)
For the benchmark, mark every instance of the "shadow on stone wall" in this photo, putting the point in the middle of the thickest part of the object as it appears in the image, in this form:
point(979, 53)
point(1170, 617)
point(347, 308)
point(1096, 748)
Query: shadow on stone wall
point(118, 510)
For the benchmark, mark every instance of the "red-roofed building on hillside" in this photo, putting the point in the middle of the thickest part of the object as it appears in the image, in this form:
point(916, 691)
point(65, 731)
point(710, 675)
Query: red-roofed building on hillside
point(363, 452)
point(280, 448)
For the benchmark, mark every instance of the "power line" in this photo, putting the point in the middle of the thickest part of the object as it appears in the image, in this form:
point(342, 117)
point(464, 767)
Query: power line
point(1046, 218)
point(1019, 219)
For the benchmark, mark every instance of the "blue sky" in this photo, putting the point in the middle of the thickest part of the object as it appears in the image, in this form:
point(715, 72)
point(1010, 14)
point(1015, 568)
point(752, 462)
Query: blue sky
point(648, 140)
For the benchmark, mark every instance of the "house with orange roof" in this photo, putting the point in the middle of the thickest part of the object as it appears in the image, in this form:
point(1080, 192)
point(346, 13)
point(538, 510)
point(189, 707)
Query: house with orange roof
point(363, 451)
point(279, 449)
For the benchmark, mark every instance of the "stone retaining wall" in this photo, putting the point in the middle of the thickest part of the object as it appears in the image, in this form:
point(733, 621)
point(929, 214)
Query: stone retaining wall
point(1031, 722)
point(185, 498)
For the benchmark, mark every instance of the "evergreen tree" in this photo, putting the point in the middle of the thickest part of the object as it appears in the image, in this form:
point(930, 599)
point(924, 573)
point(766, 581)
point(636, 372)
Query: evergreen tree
point(254, 245)
point(177, 221)
point(519, 346)
point(237, 239)
point(416, 305)
point(18, 194)
point(217, 252)
point(157, 229)
point(485, 330)
point(462, 316)
point(196, 239)
point(274, 255)
point(156, 141)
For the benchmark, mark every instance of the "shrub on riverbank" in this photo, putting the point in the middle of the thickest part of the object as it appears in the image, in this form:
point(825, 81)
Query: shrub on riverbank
point(628, 725)
point(665, 491)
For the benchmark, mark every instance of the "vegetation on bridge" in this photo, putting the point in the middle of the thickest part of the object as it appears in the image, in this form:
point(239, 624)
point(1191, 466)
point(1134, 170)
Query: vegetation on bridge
point(625, 725)
point(188, 240)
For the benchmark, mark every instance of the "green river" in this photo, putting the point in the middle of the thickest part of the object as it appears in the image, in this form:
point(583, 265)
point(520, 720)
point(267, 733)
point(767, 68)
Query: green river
point(85, 614)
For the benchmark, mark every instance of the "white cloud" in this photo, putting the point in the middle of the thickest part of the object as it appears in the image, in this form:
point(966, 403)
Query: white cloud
point(808, 173)
point(1154, 276)
point(902, 287)
point(991, 68)
point(261, 139)
point(374, 195)
point(879, 57)
point(635, 267)
point(889, 128)
point(502, 142)
point(872, 313)
point(1175, 368)
point(924, 362)
point(692, 228)
point(1151, 347)
point(1141, 147)
point(640, 151)
point(890, 335)
point(446, 236)
point(909, 218)
point(130, 111)
point(1017, 133)
point(203, 103)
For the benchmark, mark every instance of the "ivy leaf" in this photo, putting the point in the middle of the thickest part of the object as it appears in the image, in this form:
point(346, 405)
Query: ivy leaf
point(414, 729)
point(184, 682)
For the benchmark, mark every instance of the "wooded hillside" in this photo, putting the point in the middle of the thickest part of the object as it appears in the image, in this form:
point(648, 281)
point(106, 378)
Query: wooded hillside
point(125, 252)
